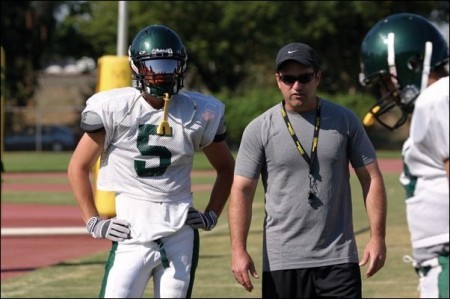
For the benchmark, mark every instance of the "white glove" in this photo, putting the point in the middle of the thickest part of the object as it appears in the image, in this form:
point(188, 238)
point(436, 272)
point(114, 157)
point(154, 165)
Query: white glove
point(113, 229)
point(197, 219)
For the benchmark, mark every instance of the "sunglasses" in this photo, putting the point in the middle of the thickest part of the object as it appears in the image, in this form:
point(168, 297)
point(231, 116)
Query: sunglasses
point(303, 78)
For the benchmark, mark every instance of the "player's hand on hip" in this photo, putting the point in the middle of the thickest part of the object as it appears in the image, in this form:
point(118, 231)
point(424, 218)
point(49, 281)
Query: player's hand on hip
point(197, 219)
point(113, 229)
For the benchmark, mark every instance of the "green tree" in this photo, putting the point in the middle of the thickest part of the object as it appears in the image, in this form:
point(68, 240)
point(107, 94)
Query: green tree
point(26, 27)
point(231, 44)
point(68, 41)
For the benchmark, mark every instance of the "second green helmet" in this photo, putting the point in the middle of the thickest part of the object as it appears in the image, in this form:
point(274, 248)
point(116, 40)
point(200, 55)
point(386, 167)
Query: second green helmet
point(402, 48)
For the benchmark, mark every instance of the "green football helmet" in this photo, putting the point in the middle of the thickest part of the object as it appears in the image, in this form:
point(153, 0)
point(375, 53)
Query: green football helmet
point(397, 54)
point(158, 61)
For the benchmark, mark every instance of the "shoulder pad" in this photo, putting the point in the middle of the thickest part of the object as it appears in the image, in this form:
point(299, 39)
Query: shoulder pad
point(91, 121)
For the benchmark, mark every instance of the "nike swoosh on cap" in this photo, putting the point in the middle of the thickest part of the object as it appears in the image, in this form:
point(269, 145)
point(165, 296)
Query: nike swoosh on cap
point(290, 52)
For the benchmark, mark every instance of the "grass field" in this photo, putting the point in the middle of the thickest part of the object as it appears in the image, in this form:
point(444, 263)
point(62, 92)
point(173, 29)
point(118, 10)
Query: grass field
point(81, 278)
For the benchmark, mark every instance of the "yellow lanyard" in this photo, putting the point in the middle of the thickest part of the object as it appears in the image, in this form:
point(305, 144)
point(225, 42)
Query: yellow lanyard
point(298, 145)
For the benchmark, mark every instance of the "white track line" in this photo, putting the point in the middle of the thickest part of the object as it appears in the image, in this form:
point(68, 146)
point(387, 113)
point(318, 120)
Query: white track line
point(47, 231)
point(74, 230)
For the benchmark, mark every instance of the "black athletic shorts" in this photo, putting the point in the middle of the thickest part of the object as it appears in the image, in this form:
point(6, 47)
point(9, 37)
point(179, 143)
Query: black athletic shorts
point(338, 281)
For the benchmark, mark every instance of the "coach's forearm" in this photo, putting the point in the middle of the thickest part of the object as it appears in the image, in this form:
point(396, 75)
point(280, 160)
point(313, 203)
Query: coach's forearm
point(240, 211)
point(376, 205)
point(375, 199)
point(239, 219)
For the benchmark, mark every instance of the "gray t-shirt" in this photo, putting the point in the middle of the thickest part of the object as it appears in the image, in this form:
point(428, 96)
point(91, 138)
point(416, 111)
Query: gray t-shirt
point(298, 234)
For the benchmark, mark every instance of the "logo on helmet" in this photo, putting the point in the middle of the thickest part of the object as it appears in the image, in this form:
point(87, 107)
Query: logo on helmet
point(162, 52)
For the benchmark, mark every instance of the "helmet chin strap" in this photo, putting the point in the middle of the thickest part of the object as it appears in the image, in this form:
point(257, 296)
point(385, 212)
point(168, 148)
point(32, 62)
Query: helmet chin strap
point(426, 65)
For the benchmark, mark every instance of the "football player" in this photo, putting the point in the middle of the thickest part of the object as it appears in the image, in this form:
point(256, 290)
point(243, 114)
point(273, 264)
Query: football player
point(406, 57)
point(146, 136)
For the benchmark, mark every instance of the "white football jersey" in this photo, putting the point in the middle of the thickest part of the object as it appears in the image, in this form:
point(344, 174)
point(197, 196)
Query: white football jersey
point(136, 160)
point(424, 177)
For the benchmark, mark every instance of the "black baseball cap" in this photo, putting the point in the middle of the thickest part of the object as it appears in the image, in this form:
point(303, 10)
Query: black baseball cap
point(302, 53)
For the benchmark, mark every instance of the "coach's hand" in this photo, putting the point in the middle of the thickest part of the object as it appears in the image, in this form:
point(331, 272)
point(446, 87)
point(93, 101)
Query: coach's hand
point(113, 229)
point(197, 219)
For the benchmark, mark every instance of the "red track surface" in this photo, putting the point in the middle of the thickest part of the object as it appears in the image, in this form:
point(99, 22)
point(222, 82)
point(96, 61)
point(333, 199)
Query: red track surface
point(21, 254)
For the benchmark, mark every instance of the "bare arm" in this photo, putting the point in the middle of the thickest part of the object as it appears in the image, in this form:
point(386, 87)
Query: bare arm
point(374, 194)
point(239, 219)
point(220, 157)
point(83, 159)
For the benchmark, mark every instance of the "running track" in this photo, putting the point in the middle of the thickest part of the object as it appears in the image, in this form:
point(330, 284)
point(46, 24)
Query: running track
point(21, 254)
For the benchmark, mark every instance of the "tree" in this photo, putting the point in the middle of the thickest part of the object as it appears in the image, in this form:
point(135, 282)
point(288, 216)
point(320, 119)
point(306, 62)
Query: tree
point(231, 44)
point(24, 33)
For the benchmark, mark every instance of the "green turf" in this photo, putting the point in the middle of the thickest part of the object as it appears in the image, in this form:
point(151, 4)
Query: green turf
point(81, 278)
point(35, 161)
point(50, 161)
